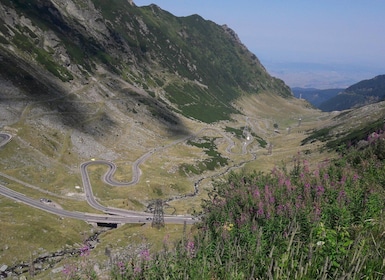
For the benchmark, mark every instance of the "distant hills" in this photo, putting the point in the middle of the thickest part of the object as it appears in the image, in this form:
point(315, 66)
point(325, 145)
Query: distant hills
point(362, 93)
point(316, 96)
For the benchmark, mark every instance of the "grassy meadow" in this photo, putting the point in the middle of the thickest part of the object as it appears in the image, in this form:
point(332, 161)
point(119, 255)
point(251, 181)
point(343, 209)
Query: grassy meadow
point(299, 222)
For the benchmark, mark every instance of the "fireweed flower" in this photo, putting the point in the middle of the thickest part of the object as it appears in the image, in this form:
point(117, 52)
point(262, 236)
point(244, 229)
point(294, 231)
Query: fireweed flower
point(190, 246)
point(356, 177)
point(316, 173)
point(320, 190)
point(307, 190)
point(241, 221)
point(137, 270)
point(256, 193)
point(280, 210)
point(260, 211)
point(317, 212)
point(85, 250)
point(269, 199)
point(69, 270)
point(121, 266)
point(341, 197)
point(145, 255)
point(288, 185)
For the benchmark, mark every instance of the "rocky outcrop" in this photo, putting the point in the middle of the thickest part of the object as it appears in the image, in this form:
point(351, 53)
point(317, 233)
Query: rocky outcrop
point(46, 261)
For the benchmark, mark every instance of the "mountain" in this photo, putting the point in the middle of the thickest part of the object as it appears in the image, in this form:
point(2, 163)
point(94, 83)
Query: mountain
point(169, 100)
point(185, 65)
point(174, 103)
point(360, 94)
point(316, 96)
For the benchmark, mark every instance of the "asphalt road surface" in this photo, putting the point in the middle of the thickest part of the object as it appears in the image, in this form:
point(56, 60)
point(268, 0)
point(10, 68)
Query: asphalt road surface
point(112, 216)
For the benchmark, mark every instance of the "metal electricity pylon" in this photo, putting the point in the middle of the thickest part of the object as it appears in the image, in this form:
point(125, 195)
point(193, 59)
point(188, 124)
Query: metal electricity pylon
point(158, 219)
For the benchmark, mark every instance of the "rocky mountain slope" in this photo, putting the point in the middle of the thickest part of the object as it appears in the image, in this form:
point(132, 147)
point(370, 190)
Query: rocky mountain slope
point(186, 65)
point(83, 80)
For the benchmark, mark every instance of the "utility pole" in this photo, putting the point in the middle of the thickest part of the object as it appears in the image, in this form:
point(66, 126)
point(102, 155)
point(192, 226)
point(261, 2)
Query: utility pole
point(158, 219)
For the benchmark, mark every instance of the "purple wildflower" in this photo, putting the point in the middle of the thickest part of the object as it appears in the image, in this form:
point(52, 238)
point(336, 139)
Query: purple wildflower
point(137, 270)
point(145, 255)
point(341, 197)
point(320, 190)
point(69, 270)
point(256, 193)
point(85, 250)
point(316, 173)
point(280, 210)
point(288, 185)
point(317, 212)
point(121, 266)
point(260, 212)
point(307, 190)
point(356, 177)
point(190, 247)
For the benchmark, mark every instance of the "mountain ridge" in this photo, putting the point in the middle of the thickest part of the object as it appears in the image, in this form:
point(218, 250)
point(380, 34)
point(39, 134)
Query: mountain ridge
point(365, 92)
point(84, 81)
point(72, 38)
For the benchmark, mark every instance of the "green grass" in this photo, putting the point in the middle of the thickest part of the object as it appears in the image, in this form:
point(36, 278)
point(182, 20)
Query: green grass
point(342, 140)
point(238, 132)
point(302, 223)
point(214, 160)
point(36, 232)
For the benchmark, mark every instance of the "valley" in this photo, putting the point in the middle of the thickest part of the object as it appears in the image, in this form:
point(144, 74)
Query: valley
point(55, 174)
point(112, 116)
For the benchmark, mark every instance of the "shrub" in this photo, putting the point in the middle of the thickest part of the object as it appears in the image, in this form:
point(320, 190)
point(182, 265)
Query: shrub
point(325, 223)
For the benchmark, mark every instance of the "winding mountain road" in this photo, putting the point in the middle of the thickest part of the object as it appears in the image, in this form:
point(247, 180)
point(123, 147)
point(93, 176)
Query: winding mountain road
point(5, 138)
point(112, 215)
point(115, 215)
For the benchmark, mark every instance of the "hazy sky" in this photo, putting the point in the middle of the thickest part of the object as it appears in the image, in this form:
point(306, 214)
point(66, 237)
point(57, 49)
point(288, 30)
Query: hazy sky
point(331, 32)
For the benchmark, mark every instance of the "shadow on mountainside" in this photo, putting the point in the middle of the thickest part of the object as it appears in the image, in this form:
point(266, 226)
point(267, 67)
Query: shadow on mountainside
point(83, 115)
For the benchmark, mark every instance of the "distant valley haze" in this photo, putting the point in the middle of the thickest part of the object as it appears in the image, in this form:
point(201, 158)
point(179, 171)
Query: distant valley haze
point(324, 44)
point(318, 75)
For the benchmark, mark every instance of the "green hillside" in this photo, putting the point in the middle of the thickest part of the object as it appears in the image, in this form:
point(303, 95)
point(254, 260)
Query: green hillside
point(360, 94)
point(195, 65)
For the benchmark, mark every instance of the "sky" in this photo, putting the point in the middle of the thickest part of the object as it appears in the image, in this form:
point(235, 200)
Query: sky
point(304, 42)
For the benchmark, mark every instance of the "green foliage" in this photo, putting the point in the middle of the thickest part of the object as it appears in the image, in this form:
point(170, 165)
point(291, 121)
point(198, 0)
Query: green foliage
point(354, 136)
point(200, 65)
point(322, 134)
point(199, 103)
point(342, 102)
point(214, 161)
point(338, 142)
point(325, 223)
point(359, 94)
point(237, 131)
